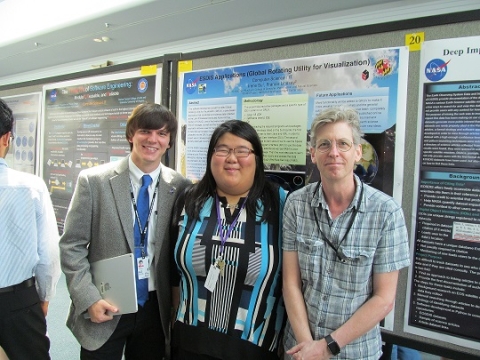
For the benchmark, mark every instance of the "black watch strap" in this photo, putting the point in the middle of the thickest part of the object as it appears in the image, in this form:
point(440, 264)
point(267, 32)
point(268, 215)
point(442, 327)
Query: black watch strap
point(332, 345)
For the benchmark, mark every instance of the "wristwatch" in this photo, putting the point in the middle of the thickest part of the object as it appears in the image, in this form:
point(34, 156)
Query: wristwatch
point(332, 345)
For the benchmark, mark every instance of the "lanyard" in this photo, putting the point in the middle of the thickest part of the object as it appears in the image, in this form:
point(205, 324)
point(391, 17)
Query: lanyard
point(143, 232)
point(223, 237)
point(340, 255)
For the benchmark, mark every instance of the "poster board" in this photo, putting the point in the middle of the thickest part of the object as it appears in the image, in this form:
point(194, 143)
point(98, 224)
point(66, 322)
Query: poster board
point(84, 123)
point(444, 280)
point(280, 100)
point(26, 109)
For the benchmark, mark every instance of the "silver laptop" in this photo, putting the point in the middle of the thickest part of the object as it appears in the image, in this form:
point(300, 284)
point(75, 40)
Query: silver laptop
point(115, 279)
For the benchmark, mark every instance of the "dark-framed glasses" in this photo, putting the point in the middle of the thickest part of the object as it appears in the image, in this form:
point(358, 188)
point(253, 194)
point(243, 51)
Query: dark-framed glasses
point(240, 152)
point(12, 137)
point(324, 145)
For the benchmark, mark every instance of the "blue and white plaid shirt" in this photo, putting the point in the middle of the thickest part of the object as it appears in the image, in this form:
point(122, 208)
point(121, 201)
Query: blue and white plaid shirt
point(333, 289)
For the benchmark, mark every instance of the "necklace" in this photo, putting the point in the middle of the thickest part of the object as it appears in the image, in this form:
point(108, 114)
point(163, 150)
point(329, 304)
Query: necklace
point(231, 206)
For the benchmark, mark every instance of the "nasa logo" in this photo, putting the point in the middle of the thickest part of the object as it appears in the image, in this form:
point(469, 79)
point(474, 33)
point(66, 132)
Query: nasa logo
point(53, 95)
point(142, 85)
point(190, 86)
point(436, 69)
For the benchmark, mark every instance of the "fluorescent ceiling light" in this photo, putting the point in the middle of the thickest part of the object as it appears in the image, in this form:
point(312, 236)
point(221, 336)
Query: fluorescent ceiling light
point(22, 19)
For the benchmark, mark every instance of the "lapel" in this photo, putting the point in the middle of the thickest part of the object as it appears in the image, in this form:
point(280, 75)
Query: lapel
point(120, 183)
point(166, 197)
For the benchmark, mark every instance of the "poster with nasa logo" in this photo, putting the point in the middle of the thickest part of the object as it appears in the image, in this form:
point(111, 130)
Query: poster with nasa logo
point(443, 294)
point(84, 124)
point(281, 99)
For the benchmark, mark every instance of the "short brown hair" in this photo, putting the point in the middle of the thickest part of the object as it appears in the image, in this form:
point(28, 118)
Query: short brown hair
point(151, 116)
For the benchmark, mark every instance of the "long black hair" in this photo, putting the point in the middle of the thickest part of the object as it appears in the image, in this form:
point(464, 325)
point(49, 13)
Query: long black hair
point(262, 189)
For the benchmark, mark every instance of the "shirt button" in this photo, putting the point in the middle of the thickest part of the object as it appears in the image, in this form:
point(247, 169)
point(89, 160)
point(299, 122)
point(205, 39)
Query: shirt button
point(329, 271)
point(324, 297)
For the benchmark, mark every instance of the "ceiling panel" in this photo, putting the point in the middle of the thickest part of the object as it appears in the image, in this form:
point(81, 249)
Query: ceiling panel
point(156, 23)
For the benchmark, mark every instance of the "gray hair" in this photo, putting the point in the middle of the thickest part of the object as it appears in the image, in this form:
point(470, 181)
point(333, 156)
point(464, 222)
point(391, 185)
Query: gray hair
point(342, 113)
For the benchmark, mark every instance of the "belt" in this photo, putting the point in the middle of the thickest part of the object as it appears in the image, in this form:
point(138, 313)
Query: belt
point(26, 284)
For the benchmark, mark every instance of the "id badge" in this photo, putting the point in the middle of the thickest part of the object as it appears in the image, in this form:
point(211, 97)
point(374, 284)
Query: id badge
point(142, 267)
point(212, 278)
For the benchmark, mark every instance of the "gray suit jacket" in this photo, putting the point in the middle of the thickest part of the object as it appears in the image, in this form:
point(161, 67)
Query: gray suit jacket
point(99, 225)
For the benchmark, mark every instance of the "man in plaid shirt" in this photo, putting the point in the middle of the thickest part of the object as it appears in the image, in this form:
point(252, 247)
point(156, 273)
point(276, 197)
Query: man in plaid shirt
point(344, 243)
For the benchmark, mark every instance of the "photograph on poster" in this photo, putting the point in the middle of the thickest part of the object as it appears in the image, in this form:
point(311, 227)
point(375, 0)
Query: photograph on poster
point(443, 294)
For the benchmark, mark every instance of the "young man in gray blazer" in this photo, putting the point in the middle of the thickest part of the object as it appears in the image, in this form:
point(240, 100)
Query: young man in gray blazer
point(101, 223)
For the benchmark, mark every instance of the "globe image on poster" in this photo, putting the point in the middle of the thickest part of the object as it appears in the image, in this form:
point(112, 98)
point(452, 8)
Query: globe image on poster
point(367, 167)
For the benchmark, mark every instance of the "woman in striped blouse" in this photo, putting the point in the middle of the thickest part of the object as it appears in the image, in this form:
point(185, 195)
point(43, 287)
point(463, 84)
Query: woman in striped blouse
point(228, 255)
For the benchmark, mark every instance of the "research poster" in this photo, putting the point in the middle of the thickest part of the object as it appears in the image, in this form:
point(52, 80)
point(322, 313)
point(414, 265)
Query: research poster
point(26, 112)
point(280, 99)
point(443, 301)
point(84, 126)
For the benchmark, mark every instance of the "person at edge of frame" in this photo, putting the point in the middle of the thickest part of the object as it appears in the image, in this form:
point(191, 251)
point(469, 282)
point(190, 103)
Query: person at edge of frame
point(29, 256)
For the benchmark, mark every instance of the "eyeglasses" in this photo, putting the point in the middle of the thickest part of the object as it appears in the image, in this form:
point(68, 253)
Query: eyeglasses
point(325, 145)
point(12, 137)
point(240, 152)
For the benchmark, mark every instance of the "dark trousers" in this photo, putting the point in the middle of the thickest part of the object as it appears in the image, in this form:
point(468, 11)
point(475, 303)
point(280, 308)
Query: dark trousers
point(140, 334)
point(23, 327)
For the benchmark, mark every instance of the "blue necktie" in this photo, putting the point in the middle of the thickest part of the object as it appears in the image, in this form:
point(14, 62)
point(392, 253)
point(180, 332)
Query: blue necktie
point(142, 209)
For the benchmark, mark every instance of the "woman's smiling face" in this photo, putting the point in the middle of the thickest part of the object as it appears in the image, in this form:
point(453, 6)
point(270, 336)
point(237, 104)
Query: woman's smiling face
point(233, 175)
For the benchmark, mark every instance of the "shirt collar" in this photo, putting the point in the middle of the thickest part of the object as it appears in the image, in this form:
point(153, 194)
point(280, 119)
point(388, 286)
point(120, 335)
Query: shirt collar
point(136, 174)
point(319, 198)
point(359, 192)
point(3, 162)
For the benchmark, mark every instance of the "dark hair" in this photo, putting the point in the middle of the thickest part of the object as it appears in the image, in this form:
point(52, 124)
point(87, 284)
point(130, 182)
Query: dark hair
point(151, 116)
point(6, 118)
point(261, 188)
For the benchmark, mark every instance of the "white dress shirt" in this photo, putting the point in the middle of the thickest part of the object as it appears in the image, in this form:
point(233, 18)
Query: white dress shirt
point(29, 232)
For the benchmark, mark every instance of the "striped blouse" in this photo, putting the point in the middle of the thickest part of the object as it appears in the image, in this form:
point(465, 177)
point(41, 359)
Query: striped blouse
point(244, 314)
